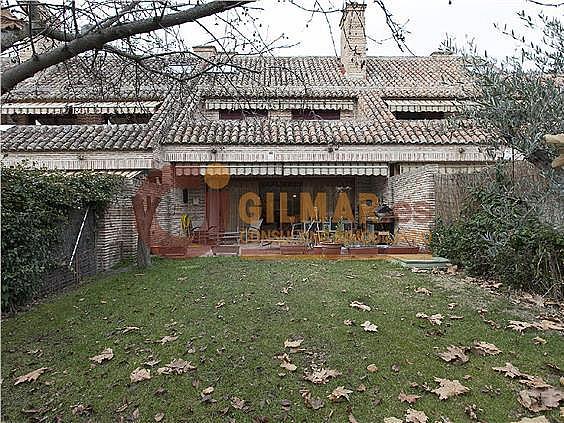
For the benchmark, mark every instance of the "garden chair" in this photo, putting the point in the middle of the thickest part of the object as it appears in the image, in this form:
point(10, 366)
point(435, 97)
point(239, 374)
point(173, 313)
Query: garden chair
point(254, 228)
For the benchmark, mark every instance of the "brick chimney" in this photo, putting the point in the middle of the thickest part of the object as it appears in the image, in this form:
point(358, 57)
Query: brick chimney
point(353, 40)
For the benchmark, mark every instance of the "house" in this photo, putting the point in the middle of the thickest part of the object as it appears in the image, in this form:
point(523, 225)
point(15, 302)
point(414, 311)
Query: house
point(257, 137)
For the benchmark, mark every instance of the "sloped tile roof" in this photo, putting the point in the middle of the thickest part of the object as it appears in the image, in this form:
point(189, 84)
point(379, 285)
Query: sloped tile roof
point(74, 137)
point(104, 77)
point(321, 77)
point(179, 119)
point(439, 75)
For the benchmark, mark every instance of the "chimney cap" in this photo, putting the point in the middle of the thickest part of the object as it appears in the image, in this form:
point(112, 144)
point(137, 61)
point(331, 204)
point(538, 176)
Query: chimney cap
point(354, 5)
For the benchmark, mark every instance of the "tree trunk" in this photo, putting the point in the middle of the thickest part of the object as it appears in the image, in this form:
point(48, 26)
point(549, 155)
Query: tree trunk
point(143, 254)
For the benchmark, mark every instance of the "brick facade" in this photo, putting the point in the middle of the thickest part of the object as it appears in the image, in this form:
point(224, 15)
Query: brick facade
point(412, 196)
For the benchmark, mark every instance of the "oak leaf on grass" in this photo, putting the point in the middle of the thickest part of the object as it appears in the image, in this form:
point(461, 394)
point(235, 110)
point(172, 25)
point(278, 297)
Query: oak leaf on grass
point(449, 388)
point(31, 376)
point(106, 354)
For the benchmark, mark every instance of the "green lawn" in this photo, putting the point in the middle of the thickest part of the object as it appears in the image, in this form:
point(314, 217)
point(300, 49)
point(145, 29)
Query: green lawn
point(234, 346)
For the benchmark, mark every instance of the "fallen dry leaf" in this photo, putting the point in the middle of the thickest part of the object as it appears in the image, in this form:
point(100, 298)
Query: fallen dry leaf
point(540, 399)
point(107, 354)
point(372, 368)
point(510, 370)
point(435, 319)
point(348, 322)
point(220, 304)
point(414, 416)
point(167, 338)
point(314, 403)
point(392, 420)
point(483, 348)
point(549, 325)
point(352, 419)
point(360, 306)
point(159, 417)
point(237, 403)
point(209, 390)
point(129, 329)
point(454, 354)
point(81, 410)
point(422, 290)
point(537, 340)
point(339, 392)
point(288, 366)
point(177, 366)
point(535, 382)
point(31, 376)
point(293, 344)
point(369, 327)
point(449, 388)
point(519, 326)
point(543, 325)
point(139, 375)
point(321, 376)
point(410, 399)
point(539, 419)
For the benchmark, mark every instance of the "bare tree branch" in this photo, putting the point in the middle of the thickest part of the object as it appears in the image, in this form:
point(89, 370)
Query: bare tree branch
point(98, 39)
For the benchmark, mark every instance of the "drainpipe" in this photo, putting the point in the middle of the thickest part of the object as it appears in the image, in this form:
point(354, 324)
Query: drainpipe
point(78, 237)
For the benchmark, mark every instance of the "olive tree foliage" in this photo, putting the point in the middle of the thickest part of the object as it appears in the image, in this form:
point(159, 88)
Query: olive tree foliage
point(520, 99)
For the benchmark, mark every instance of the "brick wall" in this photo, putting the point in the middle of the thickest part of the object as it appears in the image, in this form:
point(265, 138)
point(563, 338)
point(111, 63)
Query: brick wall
point(172, 207)
point(116, 233)
point(412, 196)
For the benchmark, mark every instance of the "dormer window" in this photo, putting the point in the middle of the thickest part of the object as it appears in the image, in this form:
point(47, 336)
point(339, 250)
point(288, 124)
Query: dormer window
point(422, 109)
point(78, 113)
point(310, 114)
point(419, 115)
point(242, 114)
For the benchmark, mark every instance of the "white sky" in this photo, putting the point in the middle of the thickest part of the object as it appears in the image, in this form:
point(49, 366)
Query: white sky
point(428, 21)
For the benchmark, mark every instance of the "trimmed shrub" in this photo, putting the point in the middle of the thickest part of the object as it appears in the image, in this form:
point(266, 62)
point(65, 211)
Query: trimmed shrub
point(499, 235)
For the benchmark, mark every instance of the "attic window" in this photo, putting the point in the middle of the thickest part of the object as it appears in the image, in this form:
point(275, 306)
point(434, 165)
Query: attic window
point(305, 114)
point(242, 114)
point(419, 115)
point(423, 108)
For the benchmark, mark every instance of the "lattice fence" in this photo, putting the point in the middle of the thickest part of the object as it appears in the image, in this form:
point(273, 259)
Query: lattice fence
point(452, 191)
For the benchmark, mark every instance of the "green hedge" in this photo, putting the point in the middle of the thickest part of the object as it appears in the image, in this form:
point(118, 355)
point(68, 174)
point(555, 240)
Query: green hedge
point(35, 205)
point(499, 235)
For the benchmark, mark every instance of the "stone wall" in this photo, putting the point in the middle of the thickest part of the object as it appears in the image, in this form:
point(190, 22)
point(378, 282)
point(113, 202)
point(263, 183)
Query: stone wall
point(412, 196)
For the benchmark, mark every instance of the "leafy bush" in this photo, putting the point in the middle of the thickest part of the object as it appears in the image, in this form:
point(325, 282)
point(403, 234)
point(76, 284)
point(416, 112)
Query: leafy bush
point(499, 235)
point(35, 205)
